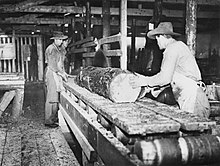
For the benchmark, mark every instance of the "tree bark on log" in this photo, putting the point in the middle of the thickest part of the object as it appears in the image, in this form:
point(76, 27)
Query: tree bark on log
point(112, 83)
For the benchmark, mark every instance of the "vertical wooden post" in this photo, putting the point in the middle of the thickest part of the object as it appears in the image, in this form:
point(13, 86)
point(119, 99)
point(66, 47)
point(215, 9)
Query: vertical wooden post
point(40, 58)
point(13, 60)
point(157, 12)
point(72, 34)
point(26, 60)
point(18, 103)
point(123, 29)
point(4, 66)
point(4, 61)
point(88, 61)
point(22, 55)
point(18, 54)
point(88, 18)
point(133, 43)
point(0, 65)
point(191, 21)
point(106, 20)
point(106, 24)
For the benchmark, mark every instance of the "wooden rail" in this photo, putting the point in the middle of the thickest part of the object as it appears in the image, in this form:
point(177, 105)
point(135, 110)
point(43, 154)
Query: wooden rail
point(98, 138)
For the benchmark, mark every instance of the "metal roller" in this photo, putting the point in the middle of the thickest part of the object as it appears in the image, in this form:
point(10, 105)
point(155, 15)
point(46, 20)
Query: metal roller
point(203, 149)
point(168, 152)
point(191, 150)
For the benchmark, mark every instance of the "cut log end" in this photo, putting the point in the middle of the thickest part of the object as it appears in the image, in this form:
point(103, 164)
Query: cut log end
point(121, 91)
point(111, 83)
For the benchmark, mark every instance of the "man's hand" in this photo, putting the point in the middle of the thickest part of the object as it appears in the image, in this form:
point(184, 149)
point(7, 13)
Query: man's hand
point(138, 80)
point(70, 76)
point(64, 76)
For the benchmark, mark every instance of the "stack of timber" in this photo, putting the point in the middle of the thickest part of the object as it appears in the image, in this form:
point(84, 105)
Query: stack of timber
point(144, 132)
point(12, 84)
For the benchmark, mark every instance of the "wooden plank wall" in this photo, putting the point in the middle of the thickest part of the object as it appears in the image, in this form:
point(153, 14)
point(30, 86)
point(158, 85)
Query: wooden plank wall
point(29, 56)
point(7, 54)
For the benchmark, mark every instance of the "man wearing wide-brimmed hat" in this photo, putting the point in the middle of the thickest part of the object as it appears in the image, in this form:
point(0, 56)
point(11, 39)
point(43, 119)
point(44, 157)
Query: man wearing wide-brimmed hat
point(54, 75)
point(179, 69)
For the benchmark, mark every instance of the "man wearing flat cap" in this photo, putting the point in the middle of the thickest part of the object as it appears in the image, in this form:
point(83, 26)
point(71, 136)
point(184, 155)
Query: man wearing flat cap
point(54, 75)
point(179, 69)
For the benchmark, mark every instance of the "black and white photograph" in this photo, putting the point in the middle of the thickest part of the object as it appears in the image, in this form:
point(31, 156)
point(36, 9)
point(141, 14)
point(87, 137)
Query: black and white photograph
point(109, 82)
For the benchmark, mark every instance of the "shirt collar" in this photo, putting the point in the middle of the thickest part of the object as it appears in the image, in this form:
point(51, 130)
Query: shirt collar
point(170, 41)
point(58, 48)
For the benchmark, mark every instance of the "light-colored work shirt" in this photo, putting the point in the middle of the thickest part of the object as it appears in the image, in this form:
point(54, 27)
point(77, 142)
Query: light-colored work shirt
point(54, 56)
point(179, 68)
point(53, 81)
point(176, 58)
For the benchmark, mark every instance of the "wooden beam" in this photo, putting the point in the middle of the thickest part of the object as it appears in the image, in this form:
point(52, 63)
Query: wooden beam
point(46, 9)
point(191, 22)
point(17, 104)
point(123, 30)
point(106, 22)
point(108, 53)
point(94, 21)
point(40, 60)
point(79, 50)
point(200, 2)
point(33, 20)
point(110, 39)
point(131, 60)
point(5, 100)
point(158, 5)
point(89, 44)
point(98, 21)
point(188, 121)
point(84, 143)
point(113, 11)
point(109, 148)
point(88, 19)
point(88, 39)
point(26, 4)
point(42, 28)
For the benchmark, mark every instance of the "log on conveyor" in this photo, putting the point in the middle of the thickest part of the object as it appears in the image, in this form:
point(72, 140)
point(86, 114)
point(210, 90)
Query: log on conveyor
point(112, 83)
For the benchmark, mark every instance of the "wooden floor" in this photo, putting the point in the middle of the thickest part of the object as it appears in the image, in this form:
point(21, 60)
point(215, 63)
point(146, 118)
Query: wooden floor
point(28, 142)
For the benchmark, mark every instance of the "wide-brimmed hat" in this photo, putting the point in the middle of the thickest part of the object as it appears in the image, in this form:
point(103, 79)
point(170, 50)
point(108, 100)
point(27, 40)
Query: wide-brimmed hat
point(59, 35)
point(164, 28)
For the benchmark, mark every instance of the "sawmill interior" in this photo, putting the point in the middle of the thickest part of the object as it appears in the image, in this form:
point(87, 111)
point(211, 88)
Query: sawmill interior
point(103, 121)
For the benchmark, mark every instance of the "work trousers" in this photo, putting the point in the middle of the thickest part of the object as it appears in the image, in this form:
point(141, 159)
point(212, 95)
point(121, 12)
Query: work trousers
point(52, 98)
point(51, 112)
